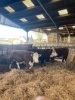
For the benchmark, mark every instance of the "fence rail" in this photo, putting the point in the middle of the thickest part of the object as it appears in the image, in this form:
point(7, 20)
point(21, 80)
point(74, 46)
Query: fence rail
point(7, 48)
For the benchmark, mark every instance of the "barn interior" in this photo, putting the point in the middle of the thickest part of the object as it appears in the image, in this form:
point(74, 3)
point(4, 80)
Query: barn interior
point(56, 19)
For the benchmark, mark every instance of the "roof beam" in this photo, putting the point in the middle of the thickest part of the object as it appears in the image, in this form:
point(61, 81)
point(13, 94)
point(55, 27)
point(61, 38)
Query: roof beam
point(71, 17)
point(66, 22)
point(48, 24)
point(38, 26)
point(36, 22)
point(71, 20)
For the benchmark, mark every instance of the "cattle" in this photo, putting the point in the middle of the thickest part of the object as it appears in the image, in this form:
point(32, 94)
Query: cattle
point(62, 52)
point(44, 55)
point(47, 55)
point(22, 55)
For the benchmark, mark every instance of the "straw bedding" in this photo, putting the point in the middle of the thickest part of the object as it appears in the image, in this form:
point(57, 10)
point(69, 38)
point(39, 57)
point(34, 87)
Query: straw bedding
point(55, 82)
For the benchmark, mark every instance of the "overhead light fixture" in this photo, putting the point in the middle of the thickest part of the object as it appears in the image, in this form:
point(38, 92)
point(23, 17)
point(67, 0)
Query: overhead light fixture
point(41, 16)
point(28, 3)
point(63, 12)
point(49, 29)
point(9, 9)
point(61, 28)
point(73, 26)
point(23, 19)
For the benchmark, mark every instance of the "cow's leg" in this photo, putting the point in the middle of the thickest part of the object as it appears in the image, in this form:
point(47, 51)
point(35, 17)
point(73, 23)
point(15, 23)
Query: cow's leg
point(18, 65)
point(31, 64)
point(42, 63)
point(13, 65)
point(47, 59)
point(22, 65)
point(64, 59)
point(52, 59)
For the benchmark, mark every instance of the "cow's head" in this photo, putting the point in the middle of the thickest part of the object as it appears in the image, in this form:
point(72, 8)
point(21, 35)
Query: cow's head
point(36, 57)
point(53, 54)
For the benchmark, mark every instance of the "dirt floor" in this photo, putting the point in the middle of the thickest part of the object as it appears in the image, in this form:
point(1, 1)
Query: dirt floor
point(53, 81)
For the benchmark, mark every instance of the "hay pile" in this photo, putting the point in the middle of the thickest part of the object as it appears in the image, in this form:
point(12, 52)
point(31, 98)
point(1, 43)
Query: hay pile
point(71, 61)
point(55, 83)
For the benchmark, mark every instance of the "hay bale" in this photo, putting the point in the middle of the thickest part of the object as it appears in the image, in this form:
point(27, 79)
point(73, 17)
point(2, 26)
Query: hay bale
point(71, 61)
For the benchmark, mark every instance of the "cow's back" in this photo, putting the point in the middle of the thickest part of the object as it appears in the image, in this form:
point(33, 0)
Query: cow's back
point(21, 55)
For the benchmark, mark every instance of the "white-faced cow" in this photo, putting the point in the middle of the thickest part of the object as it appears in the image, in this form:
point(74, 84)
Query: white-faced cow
point(47, 54)
point(22, 55)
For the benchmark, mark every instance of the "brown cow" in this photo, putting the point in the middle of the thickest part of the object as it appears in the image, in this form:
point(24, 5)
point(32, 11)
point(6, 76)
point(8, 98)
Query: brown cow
point(22, 55)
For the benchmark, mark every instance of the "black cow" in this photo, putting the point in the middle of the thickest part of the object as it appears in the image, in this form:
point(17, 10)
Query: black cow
point(50, 54)
point(44, 55)
point(62, 52)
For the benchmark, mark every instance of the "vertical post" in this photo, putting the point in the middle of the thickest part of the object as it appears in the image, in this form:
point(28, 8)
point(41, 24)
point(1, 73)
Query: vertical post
point(57, 38)
point(27, 37)
point(69, 39)
point(62, 39)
